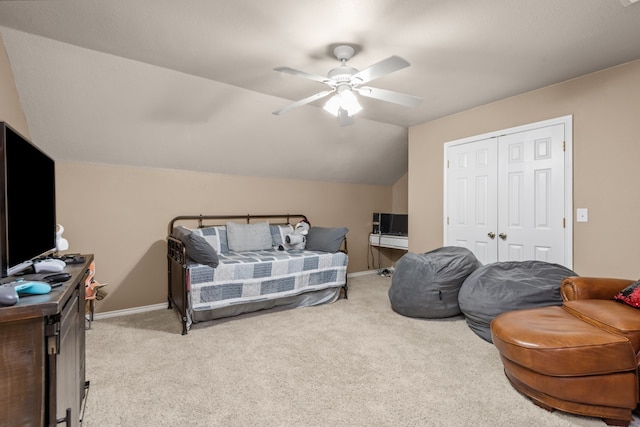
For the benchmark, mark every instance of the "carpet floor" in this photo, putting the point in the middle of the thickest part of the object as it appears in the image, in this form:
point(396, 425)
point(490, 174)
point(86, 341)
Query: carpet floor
point(351, 363)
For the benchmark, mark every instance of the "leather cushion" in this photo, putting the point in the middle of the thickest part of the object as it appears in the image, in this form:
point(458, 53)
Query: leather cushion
point(617, 390)
point(551, 341)
point(609, 315)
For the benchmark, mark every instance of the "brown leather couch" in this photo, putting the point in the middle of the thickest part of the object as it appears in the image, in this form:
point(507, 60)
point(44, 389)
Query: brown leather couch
point(580, 358)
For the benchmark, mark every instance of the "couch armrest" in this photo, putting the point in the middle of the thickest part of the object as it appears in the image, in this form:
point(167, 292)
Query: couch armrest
point(575, 287)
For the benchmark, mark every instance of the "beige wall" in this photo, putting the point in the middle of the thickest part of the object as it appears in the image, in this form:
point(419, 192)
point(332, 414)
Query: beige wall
point(606, 153)
point(121, 215)
point(10, 107)
point(385, 257)
point(400, 195)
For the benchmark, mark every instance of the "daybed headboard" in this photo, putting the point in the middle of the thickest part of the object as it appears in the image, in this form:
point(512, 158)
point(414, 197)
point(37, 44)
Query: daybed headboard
point(201, 221)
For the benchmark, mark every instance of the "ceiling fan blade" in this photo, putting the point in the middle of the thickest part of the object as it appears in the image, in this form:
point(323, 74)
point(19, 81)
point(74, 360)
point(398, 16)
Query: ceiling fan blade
point(389, 96)
point(303, 102)
point(379, 69)
point(314, 77)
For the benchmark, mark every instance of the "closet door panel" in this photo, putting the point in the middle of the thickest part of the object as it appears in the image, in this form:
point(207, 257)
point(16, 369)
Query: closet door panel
point(531, 195)
point(471, 198)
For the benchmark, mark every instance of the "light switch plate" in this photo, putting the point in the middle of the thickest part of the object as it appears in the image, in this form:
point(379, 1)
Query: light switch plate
point(582, 215)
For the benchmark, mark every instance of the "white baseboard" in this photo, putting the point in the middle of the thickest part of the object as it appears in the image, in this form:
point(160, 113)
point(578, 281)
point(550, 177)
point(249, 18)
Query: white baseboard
point(135, 310)
point(362, 273)
point(127, 311)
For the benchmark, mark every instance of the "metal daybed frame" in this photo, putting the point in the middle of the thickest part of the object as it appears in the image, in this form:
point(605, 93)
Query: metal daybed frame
point(177, 257)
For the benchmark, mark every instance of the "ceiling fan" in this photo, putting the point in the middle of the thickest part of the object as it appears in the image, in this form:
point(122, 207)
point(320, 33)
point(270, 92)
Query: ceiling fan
point(344, 80)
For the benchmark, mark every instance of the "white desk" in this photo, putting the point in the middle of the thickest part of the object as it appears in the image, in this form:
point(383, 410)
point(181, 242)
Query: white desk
point(389, 241)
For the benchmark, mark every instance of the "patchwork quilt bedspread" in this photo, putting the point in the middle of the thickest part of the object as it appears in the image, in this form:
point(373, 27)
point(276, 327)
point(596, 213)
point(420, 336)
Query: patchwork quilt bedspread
point(243, 277)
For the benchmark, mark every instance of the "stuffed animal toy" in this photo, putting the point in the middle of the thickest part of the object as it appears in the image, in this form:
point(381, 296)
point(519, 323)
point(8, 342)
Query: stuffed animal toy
point(297, 239)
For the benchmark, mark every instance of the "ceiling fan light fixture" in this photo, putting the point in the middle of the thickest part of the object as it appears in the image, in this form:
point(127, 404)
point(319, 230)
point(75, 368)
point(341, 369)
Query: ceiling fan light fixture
point(349, 102)
point(343, 100)
point(333, 105)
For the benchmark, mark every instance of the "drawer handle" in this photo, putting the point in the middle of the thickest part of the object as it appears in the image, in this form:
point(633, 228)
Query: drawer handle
point(66, 420)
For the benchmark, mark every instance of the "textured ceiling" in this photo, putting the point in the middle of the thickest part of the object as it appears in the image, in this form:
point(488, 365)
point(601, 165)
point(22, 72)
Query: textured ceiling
point(190, 84)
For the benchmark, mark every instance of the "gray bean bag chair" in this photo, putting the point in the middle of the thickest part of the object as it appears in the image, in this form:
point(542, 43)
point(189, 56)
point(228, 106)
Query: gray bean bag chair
point(505, 286)
point(426, 285)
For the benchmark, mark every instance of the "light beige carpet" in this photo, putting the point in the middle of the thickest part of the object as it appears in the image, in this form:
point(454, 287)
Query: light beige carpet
point(351, 363)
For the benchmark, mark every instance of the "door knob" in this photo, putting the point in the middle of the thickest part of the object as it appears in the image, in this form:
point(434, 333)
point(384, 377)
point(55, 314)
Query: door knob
point(502, 236)
point(491, 235)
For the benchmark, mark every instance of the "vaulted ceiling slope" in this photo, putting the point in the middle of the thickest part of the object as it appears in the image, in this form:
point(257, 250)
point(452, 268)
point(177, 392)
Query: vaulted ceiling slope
point(190, 84)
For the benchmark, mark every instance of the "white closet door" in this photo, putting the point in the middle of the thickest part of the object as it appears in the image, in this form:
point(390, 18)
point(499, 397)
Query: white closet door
point(531, 195)
point(471, 198)
point(513, 186)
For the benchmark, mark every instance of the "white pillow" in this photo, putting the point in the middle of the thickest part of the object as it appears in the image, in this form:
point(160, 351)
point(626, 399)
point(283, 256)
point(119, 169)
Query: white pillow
point(248, 237)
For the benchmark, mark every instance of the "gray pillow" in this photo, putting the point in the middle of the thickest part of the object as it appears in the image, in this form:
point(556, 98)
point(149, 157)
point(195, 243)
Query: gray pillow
point(326, 239)
point(249, 237)
point(198, 249)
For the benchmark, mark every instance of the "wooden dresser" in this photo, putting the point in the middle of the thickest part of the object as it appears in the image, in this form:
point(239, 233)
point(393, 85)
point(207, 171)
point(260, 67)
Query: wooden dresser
point(42, 354)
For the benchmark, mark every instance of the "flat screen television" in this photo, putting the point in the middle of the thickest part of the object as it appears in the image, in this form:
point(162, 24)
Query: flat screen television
point(28, 205)
point(388, 223)
point(399, 224)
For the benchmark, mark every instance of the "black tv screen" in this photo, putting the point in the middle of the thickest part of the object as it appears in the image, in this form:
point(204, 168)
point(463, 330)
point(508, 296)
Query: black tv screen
point(399, 224)
point(388, 223)
point(29, 205)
